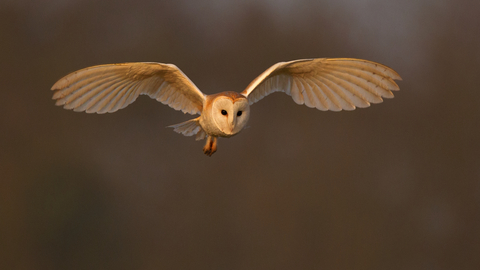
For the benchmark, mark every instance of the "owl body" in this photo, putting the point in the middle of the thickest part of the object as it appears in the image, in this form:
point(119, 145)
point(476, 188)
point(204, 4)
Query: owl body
point(333, 84)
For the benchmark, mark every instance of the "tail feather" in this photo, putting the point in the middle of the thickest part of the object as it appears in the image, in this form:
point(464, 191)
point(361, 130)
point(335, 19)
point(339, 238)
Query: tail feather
point(190, 128)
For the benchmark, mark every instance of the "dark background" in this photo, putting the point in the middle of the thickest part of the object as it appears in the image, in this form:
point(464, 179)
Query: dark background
point(394, 186)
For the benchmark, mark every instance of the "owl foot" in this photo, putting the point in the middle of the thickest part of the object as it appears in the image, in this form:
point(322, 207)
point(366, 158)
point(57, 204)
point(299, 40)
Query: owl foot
point(211, 146)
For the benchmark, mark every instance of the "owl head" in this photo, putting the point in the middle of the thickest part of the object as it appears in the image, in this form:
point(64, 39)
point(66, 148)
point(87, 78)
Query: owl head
point(229, 112)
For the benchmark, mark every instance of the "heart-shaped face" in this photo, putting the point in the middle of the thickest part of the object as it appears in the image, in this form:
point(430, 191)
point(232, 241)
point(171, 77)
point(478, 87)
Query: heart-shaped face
point(230, 115)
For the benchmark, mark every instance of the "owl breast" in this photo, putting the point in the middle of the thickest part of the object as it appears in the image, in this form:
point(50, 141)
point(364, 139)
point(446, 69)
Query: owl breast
point(225, 114)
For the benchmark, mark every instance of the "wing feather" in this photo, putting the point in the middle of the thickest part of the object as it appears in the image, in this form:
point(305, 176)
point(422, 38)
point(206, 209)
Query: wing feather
point(343, 101)
point(82, 98)
point(318, 96)
point(108, 88)
point(296, 92)
point(331, 101)
point(327, 83)
point(321, 97)
point(107, 96)
point(366, 95)
point(109, 100)
point(307, 94)
point(365, 65)
point(84, 84)
point(119, 97)
point(125, 99)
point(92, 104)
point(355, 97)
point(362, 83)
point(368, 76)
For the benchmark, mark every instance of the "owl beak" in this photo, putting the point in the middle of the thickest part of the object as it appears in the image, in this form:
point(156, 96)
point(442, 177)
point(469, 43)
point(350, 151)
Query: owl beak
point(231, 124)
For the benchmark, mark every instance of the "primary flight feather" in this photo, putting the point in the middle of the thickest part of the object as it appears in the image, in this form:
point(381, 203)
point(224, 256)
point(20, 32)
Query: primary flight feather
point(324, 83)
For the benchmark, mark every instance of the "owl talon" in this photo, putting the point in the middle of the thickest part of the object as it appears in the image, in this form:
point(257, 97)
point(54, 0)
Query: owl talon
point(211, 146)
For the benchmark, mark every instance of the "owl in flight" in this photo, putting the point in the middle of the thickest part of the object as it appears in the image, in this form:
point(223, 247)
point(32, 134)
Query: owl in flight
point(324, 83)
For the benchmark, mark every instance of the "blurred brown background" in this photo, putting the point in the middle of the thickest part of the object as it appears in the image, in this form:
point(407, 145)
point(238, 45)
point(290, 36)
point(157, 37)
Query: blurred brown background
point(394, 186)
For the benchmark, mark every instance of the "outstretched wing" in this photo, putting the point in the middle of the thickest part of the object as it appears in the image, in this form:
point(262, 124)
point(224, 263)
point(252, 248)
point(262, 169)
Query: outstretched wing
point(108, 88)
point(327, 83)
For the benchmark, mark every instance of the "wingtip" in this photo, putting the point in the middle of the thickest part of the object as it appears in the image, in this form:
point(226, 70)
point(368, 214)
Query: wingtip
point(60, 84)
point(55, 87)
point(394, 75)
point(394, 86)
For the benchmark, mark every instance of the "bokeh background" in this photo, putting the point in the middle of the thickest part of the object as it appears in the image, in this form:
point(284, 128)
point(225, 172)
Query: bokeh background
point(394, 186)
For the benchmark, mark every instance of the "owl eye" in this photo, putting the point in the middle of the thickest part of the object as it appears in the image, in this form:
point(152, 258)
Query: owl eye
point(224, 112)
point(239, 113)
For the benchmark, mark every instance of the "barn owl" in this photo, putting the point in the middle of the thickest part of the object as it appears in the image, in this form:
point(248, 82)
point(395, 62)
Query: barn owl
point(324, 83)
